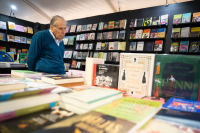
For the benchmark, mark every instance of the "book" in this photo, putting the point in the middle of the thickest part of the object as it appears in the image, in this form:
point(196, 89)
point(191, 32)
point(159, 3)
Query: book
point(140, 22)
point(103, 47)
point(84, 55)
point(78, 37)
point(116, 45)
point(67, 66)
point(71, 41)
point(133, 23)
point(13, 50)
point(98, 46)
point(116, 24)
point(154, 33)
point(186, 17)
point(28, 41)
point(95, 55)
point(73, 64)
point(156, 20)
point(23, 39)
point(90, 46)
point(146, 33)
point(149, 46)
point(68, 54)
point(79, 28)
point(109, 56)
point(139, 33)
point(19, 28)
point(101, 24)
point(81, 46)
point(11, 38)
point(89, 27)
point(85, 46)
point(30, 30)
point(91, 36)
point(164, 19)
point(185, 32)
point(105, 26)
point(111, 46)
point(176, 32)
point(25, 51)
point(82, 37)
point(87, 36)
point(161, 32)
point(91, 54)
point(183, 46)
point(25, 29)
point(11, 84)
point(122, 34)
point(3, 49)
point(194, 46)
point(94, 27)
point(133, 34)
point(75, 53)
point(196, 17)
point(132, 46)
point(73, 28)
point(115, 56)
point(115, 35)
point(122, 24)
point(122, 46)
point(177, 19)
point(111, 24)
point(100, 55)
point(3, 25)
point(109, 35)
point(11, 25)
point(2, 36)
point(158, 45)
point(148, 21)
point(99, 36)
point(67, 29)
point(140, 46)
point(84, 27)
point(11, 54)
point(174, 47)
point(104, 35)
point(65, 41)
point(25, 73)
point(195, 32)
point(79, 56)
point(19, 51)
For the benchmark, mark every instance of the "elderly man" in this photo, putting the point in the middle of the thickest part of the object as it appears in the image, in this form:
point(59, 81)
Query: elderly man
point(47, 48)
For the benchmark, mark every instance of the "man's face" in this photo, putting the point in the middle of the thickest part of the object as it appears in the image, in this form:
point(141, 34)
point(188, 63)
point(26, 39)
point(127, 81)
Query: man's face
point(59, 29)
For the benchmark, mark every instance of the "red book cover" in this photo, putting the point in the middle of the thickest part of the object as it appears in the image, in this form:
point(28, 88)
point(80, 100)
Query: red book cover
point(94, 74)
point(86, 36)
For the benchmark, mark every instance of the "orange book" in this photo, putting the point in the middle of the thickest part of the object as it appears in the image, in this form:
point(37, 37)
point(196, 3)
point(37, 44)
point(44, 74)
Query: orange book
point(146, 33)
point(94, 74)
point(196, 17)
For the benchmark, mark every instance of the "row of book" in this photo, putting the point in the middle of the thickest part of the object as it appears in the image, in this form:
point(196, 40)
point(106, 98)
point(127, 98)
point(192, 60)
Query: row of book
point(148, 33)
point(18, 39)
point(3, 25)
point(84, 46)
point(185, 32)
point(107, 56)
point(78, 55)
point(113, 24)
point(68, 40)
point(111, 35)
point(157, 20)
point(111, 46)
point(86, 36)
point(186, 18)
point(79, 28)
point(148, 46)
point(185, 46)
point(20, 28)
point(76, 64)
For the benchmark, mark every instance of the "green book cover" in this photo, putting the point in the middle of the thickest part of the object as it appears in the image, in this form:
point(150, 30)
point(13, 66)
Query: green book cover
point(23, 58)
point(71, 41)
point(24, 71)
point(176, 76)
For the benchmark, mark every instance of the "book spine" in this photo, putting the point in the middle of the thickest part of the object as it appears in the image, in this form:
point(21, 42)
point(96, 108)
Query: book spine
point(94, 74)
point(21, 112)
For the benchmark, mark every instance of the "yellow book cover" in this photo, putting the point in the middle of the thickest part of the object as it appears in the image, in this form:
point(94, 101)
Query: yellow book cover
point(177, 19)
point(11, 25)
point(176, 32)
point(30, 30)
point(102, 46)
point(25, 51)
point(122, 46)
point(195, 32)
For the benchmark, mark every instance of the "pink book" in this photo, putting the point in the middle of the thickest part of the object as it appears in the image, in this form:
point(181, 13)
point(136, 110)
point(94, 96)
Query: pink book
point(19, 28)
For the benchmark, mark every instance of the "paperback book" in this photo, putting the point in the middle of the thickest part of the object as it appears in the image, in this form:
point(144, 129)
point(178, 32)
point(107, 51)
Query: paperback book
point(149, 46)
point(2, 36)
point(196, 17)
point(132, 46)
point(133, 34)
point(156, 20)
point(140, 46)
point(186, 17)
point(177, 19)
point(194, 46)
point(154, 33)
point(184, 46)
point(174, 47)
point(158, 45)
point(148, 21)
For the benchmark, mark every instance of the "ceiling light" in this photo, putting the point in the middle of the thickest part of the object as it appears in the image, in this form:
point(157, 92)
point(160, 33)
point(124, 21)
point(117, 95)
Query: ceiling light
point(13, 7)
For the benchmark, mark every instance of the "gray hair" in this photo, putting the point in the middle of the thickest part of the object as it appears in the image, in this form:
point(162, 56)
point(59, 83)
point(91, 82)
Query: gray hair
point(55, 18)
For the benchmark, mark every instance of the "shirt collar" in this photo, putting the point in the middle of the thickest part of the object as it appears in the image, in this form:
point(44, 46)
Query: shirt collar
point(54, 36)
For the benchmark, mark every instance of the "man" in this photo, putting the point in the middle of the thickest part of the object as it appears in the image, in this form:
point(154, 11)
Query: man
point(46, 51)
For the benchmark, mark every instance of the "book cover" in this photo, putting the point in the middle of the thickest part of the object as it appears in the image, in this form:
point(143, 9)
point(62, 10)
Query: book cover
point(146, 33)
point(116, 24)
point(84, 55)
point(73, 64)
point(19, 28)
point(11, 38)
point(25, 29)
point(109, 56)
point(100, 55)
point(111, 46)
point(115, 56)
point(3, 49)
point(123, 24)
point(87, 36)
point(116, 45)
point(71, 41)
point(101, 25)
point(183, 46)
point(95, 55)
point(23, 39)
point(68, 54)
point(13, 50)
point(91, 36)
point(73, 28)
point(185, 32)
point(186, 17)
point(75, 53)
point(115, 34)
point(67, 66)
point(103, 47)
point(176, 32)
point(89, 27)
point(25, 51)
point(11, 25)
point(164, 19)
point(65, 41)
point(177, 19)
point(79, 28)
point(81, 46)
point(161, 32)
point(139, 33)
point(98, 46)
point(3, 25)
point(111, 24)
point(196, 17)
point(85, 46)
point(122, 46)
point(133, 34)
point(11, 54)
point(67, 29)
point(84, 27)
point(94, 27)
point(78, 37)
point(132, 46)
point(194, 46)
point(19, 51)
point(99, 36)
point(17, 39)
point(140, 46)
point(28, 41)
point(154, 33)
point(176, 76)
point(158, 45)
point(174, 47)
point(82, 37)
point(77, 46)
point(133, 23)
point(79, 56)
point(104, 35)
point(106, 45)
point(23, 58)
point(30, 30)
point(147, 21)
point(109, 35)
point(122, 34)
point(149, 46)
point(195, 31)
point(139, 22)
point(2, 36)
point(90, 46)
point(78, 65)
point(156, 20)
point(105, 26)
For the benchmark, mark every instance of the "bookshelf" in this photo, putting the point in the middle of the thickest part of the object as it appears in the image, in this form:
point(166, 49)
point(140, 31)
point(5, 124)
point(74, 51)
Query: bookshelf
point(148, 27)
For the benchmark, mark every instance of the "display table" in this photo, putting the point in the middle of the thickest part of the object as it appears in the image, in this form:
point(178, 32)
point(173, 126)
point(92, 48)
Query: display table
point(6, 67)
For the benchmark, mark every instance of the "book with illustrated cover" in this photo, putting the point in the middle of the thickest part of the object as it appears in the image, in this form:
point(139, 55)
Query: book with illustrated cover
point(3, 49)
point(75, 53)
point(82, 37)
point(194, 46)
point(95, 55)
point(79, 56)
point(115, 35)
point(183, 46)
point(161, 32)
point(73, 28)
point(133, 23)
point(68, 54)
point(99, 36)
point(3, 25)
point(78, 65)
point(100, 55)
point(94, 27)
point(104, 35)
point(132, 46)
point(177, 19)
point(111, 24)
point(186, 17)
point(123, 24)
point(73, 64)
point(116, 24)
point(158, 45)
point(11, 54)
point(140, 46)
point(196, 17)
point(2, 36)
point(164, 19)
point(90, 46)
point(122, 34)
point(122, 46)
point(11, 25)
point(17, 39)
point(19, 28)
point(176, 32)
point(139, 33)
point(78, 37)
point(106, 45)
point(11, 38)
point(105, 26)
point(81, 46)
point(91, 36)
point(67, 29)
point(133, 34)
point(101, 26)
point(67, 66)
point(174, 47)
point(149, 46)
point(115, 57)
point(154, 33)
point(28, 40)
point(116, 45)
point(23, 58)
point(25, 51)
point(85, 46)
point(77, 46)
point(84, 55)
point(84, 27)
point(79, 28)
point(103, 47)
point(71, 41)
point(156, 20)
point(13, 50)
point(140, 22)
point(89, 27)
point(148, 21)
point(146, 33)
point(65, 41)
point(111, 45)
point(98, 46)
point(195, 32)
point(30, 30)
point(23, 39)
point(87, 36)
point(109, 35)
point(185, 32)
point(109, 56)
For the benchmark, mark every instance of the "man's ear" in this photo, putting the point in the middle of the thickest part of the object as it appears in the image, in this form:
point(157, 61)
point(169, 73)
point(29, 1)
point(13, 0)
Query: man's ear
point(51, 27)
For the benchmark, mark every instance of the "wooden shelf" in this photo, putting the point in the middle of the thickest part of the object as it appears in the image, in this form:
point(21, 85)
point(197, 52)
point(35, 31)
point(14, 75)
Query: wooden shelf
point(148, 27)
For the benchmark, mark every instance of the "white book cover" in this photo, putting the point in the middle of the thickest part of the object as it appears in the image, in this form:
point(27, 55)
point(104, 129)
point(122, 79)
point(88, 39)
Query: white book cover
point(136, 73)
point(79, 28)
point(101, 27)
point(73, 28)
point(140, 46)
point(185, 32)
point(116, 45)
point(139, 33)
point(68, 54)
point(91, 36)
point(17, 39)
point(82, 37)
point(81, 46)
point(98, 46)
point(164, 19)
point(89, 27)
point(94, 27)
point(111, 45)
point(78, 37)
point(65, 41)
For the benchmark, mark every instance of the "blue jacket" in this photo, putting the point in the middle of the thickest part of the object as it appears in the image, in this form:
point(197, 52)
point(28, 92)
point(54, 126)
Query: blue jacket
point(45, 55)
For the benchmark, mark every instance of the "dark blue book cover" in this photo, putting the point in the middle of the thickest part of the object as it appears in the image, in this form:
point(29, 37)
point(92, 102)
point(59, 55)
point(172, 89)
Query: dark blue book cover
point(149, 46)
point(182, 105)
point(2, 36)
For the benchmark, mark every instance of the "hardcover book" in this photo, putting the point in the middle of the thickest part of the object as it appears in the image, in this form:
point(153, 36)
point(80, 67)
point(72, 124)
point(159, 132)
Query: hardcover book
point(115, 34)
point(84, 27)
point(79, 27)
point(123, 24)
point(184, 46)
point(3, 25)
point(194, 46)
point(67, 29)
point(164, 19)
point(176, 32)
point(17, 39)
point(173, 73)
point(195, 32)
point(154, 33)
point(147, 21)
point(23, 58)
point(149, 46)
point(161, 32)
point(156, 20)
point(146, 33)
point(158, 45)
point(2, 36)
point(73, 28)
point(68, 54)
point(139, 33)
point(140, 46)
point(196, 17)
point(19, 28)
point(185, 32)
point(177, 19)
point(109, 35)
point(23, 39)
point(105, 26)
point(139, 22)
point(89, 27)
point(30, 30)
point(11, 38)
point(174, 47)
point(132, 46)
point(133, 34)
point(133, 23)
point(111, 24)
point(94, 27)
point(116, 24)
point(186, 17)
point(11, 25)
